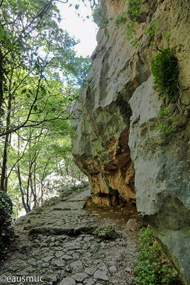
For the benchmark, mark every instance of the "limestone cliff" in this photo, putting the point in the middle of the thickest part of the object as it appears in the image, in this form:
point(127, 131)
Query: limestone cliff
point(118, 144)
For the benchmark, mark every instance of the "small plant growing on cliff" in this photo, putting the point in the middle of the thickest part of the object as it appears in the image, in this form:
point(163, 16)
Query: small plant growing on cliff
point(101, 21)
point(165, 70)
point(128, 18)
point(151, 268)
point(134, 9)
point(151, 31)
point(121, 19)
point(166, 117)
point(97, 15)
point(167, 38)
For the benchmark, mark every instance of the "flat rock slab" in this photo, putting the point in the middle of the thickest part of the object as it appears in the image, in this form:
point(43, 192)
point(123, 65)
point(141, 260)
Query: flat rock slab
point(81, 196)
point(57, 243)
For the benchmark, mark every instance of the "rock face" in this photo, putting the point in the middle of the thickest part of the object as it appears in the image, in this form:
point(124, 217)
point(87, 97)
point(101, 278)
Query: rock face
point(118, 144)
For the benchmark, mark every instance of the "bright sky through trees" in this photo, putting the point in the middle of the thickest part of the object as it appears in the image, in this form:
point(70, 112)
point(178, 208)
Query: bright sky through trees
point(80, 27)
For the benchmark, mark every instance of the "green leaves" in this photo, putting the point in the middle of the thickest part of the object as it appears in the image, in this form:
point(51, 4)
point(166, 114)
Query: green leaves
point(1, 32)
point(35, 108)
point(40, 70)
point(151, 268)
point(152, 30)
point(134, 8)
point(106, 32)
point(97, 15)
point(165, 70)
point(121, 19)
point(133, 12)
point(128, 19)
point(43, 89)
point(35, 50)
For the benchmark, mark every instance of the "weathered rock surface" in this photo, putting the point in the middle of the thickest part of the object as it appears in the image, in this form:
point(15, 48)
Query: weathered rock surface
point(63, 250)
point(118, 144)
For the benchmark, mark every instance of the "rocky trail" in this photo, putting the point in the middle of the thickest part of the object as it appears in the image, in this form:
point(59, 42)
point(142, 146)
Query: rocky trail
point(71, 241)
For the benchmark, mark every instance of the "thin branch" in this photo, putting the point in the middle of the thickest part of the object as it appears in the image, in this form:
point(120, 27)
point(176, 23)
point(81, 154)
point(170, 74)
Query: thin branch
point(23, 31)
point(66, 1)
point(10, 171)
point(1, 3)
point(35, 137)
point(159, 50)
point(36, 124)
point(179, 98)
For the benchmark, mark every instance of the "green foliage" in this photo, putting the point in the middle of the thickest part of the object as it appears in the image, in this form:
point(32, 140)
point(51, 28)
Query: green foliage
point(6, 230)
point(40, 75)
point(43, 214)
point(106, 32)
point(165, 70)
point(166, 117)
point(135, 42)
point(97, 15)
point(151, 31)
point(151, 268)
point(121, 19)
point(98, 18)
point(47, 151)
point(33, 51)
point(81, 68)
point(106, 232)
point(36, 160)
point(135, 9)
point(128, 19)
point(167, 38)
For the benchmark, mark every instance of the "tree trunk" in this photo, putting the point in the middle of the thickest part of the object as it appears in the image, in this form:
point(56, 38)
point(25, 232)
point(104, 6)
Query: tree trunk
point(21, 190)
point(1, 83)
point(4, 178)
point(20, 181)
point(34, 185)
point(6, 145)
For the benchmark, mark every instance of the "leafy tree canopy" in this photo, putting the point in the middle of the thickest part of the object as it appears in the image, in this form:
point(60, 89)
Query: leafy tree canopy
point(40, 75)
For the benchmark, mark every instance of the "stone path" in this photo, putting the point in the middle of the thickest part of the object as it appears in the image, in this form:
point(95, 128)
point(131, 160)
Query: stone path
point(61, 243)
